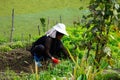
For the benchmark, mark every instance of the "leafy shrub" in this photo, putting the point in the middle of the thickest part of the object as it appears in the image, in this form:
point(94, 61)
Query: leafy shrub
point(2, 41)
point(5, 48)
point(9, 46)
point(11, 75)
point(17, 44)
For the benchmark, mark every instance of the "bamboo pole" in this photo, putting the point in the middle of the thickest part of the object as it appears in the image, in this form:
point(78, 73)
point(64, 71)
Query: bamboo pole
point(12, 29)
point(36, 70)
point(39, 30)
point(60, 19)
point(29, 38)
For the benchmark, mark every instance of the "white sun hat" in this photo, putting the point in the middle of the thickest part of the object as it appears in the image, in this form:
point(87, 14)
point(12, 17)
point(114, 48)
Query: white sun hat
point(60, 27)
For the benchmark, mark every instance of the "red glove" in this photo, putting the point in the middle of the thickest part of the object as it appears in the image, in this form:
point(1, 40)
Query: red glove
point(55, 60)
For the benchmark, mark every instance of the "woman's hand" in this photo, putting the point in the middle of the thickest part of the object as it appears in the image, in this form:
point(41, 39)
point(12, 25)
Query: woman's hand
point(55, 60)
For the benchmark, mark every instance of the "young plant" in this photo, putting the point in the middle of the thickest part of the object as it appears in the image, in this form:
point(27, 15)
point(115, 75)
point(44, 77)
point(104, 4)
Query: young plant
point(103, 14)
point(83, 70)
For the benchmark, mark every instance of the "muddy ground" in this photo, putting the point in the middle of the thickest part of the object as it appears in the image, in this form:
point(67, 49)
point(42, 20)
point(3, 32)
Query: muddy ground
point(18, 60)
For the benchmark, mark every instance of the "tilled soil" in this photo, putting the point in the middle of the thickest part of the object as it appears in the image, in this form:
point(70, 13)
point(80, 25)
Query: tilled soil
point(18, 60)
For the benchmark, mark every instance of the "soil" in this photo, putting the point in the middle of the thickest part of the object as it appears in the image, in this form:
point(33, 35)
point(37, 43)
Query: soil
point(18, 60)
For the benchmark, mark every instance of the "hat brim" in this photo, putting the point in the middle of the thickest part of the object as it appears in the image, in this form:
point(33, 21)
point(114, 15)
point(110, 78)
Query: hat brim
point(61, 31)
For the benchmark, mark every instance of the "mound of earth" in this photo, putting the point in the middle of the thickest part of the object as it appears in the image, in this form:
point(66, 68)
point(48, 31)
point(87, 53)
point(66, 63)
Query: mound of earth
point(18, 60)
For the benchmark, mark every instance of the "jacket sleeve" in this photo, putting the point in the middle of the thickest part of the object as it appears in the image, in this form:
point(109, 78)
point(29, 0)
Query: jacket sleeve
point(47, 46)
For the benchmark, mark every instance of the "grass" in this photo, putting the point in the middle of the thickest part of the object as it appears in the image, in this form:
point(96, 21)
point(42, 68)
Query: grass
point(66, 69)
point(35, 6)
point(28, 14)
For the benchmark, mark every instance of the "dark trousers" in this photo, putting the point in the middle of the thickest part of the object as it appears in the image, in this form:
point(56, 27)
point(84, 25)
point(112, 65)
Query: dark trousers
point(39, 52)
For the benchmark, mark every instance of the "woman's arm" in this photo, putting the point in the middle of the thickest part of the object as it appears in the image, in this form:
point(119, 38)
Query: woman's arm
point(47, 46)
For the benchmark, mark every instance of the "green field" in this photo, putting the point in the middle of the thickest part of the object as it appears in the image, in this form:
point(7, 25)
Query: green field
point(14, 56)
point(27, 15)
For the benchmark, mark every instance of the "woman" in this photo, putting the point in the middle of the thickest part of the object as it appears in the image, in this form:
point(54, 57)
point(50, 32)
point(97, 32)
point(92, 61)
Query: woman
point(50, 45)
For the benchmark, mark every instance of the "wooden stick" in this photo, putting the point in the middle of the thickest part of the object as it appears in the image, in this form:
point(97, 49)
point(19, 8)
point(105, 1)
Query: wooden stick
point(36, 70)
point(12, 28)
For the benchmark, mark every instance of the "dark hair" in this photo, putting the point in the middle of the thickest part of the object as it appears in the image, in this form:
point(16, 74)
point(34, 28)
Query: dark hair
point(58, 33)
